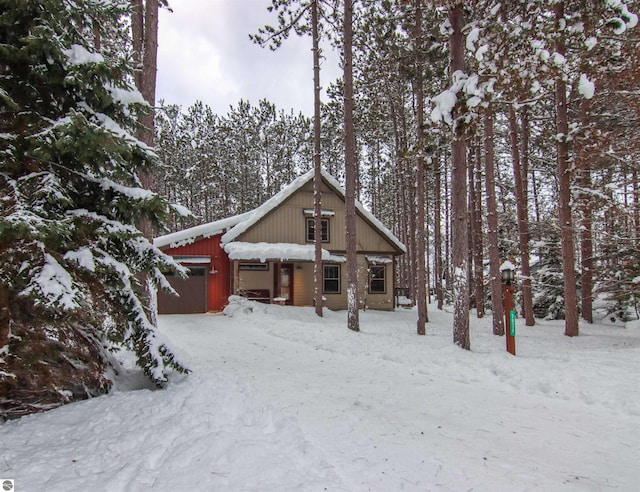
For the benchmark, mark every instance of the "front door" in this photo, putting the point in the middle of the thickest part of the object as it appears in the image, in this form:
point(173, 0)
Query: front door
point(284, 282)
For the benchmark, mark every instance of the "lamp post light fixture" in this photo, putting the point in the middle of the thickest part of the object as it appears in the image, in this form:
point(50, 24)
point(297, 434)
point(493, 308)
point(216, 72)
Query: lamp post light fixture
point(507, 274)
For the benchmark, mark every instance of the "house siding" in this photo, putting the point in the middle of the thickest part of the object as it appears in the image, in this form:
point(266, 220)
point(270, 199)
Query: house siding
point(218, 283)
point(287, 224)
point(303, 284)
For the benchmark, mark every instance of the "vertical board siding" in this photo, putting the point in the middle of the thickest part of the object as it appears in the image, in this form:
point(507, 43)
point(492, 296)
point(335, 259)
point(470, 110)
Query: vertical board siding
point(218, 283)
point(287, 224)
point(303, 284)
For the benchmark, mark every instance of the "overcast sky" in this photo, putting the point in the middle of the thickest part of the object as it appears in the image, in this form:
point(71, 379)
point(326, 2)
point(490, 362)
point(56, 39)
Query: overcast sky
point(205, 54)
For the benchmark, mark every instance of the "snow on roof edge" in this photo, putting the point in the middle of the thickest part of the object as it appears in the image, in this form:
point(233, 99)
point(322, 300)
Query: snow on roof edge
point(238, 250)
point(239, 224)
point(187, 236)
point(267, 207)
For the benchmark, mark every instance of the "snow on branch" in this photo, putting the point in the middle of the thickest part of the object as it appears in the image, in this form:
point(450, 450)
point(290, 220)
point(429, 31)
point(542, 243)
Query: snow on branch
point(54, 284)
point(464, 88)
point(78, 55)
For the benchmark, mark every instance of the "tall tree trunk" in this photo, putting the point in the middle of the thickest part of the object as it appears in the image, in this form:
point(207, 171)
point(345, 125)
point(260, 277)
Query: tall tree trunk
point(144, 32)
point(523, 219)
point(459, 210)
point(497, 309)
point(447, 226)
point(636, 208)
point(564, 179)
point(526, 285)
point(478, 250)
point(420, 191)
point(137, 38)
point(317, 169)
point(412, 243)
point(586, 231)
point(353, 322)
point(471, 222)
point(5, 316)
point(144, 27)
point(438, 232)
point(536, 201)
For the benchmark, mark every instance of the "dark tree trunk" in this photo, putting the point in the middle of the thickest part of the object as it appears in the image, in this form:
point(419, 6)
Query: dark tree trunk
point(459, 210)
point(409, 178)
point(137, 38)
point(317, 176)
point(353, 322)
point(523, 220)
point(564, 179)
point(636, 208)
point(536, 201)
point(492, 225)
point(471, 223)
point(478, 249)
point(5, 316)
point(586, 231)
point(144, 31)
point(420, 191)
point(438, 233)
point(447, 226)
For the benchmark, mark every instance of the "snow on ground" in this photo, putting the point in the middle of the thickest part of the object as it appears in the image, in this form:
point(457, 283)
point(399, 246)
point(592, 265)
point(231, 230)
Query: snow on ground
point(280, 400)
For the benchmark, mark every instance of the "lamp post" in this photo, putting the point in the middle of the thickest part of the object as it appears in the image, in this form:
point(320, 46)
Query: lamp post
point(507, 273)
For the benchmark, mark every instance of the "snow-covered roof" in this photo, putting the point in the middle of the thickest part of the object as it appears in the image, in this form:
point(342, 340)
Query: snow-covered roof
point(193, 260)
point(233, 227)
point(187, 236)
point(379, 260)
point(272, 203)
point(239, 250)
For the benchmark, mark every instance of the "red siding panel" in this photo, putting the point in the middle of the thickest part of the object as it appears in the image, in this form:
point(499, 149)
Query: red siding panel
point(219, 282)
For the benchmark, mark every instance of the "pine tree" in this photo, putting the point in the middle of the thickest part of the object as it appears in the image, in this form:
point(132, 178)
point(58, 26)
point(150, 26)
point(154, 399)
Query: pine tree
point(459, 196)
point(350, 166)
point(70, 253)
point(548, 299)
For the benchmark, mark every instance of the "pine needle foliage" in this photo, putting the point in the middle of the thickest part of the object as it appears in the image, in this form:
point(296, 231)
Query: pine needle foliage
point(71, 256)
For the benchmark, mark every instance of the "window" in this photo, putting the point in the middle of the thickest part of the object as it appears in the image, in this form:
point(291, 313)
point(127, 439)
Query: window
point(331, 279)
point(253, 266)
point(377, 284)
point(311, 233)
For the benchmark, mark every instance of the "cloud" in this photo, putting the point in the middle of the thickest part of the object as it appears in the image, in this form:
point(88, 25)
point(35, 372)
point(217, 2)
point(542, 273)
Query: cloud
point(205, 54)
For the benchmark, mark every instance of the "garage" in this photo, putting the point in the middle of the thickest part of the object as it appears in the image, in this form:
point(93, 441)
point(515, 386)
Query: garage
point(192, 290)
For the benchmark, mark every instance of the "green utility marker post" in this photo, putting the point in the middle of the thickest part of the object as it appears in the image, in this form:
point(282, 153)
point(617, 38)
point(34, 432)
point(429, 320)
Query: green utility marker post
point(507, 272)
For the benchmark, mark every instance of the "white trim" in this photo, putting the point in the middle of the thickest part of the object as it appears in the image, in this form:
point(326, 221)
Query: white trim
point(193, 260)
point(310, 212)
point(379, 260)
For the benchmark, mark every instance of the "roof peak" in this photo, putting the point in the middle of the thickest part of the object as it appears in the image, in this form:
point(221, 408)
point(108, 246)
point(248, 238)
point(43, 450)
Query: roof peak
point(233, 227)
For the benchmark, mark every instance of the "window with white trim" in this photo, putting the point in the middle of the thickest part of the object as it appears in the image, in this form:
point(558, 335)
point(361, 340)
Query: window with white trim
point(377, 279)
point(253, 266)
point(311, 230)
point(331, 279)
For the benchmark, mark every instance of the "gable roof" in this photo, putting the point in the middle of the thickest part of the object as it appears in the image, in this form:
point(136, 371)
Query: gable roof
point(232, 227)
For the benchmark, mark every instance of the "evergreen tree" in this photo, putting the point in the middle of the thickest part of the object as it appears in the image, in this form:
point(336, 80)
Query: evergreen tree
point(71, 257)
point(548, 299)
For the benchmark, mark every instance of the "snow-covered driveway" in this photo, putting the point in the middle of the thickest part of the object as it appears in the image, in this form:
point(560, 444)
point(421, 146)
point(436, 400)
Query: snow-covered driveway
point(393, 411)
point(280, 400)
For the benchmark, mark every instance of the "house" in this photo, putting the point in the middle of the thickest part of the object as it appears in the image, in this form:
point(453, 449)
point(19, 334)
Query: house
point(267, 254)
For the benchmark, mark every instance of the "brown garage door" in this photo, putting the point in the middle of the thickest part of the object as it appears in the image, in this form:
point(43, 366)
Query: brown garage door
point(192, 290)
